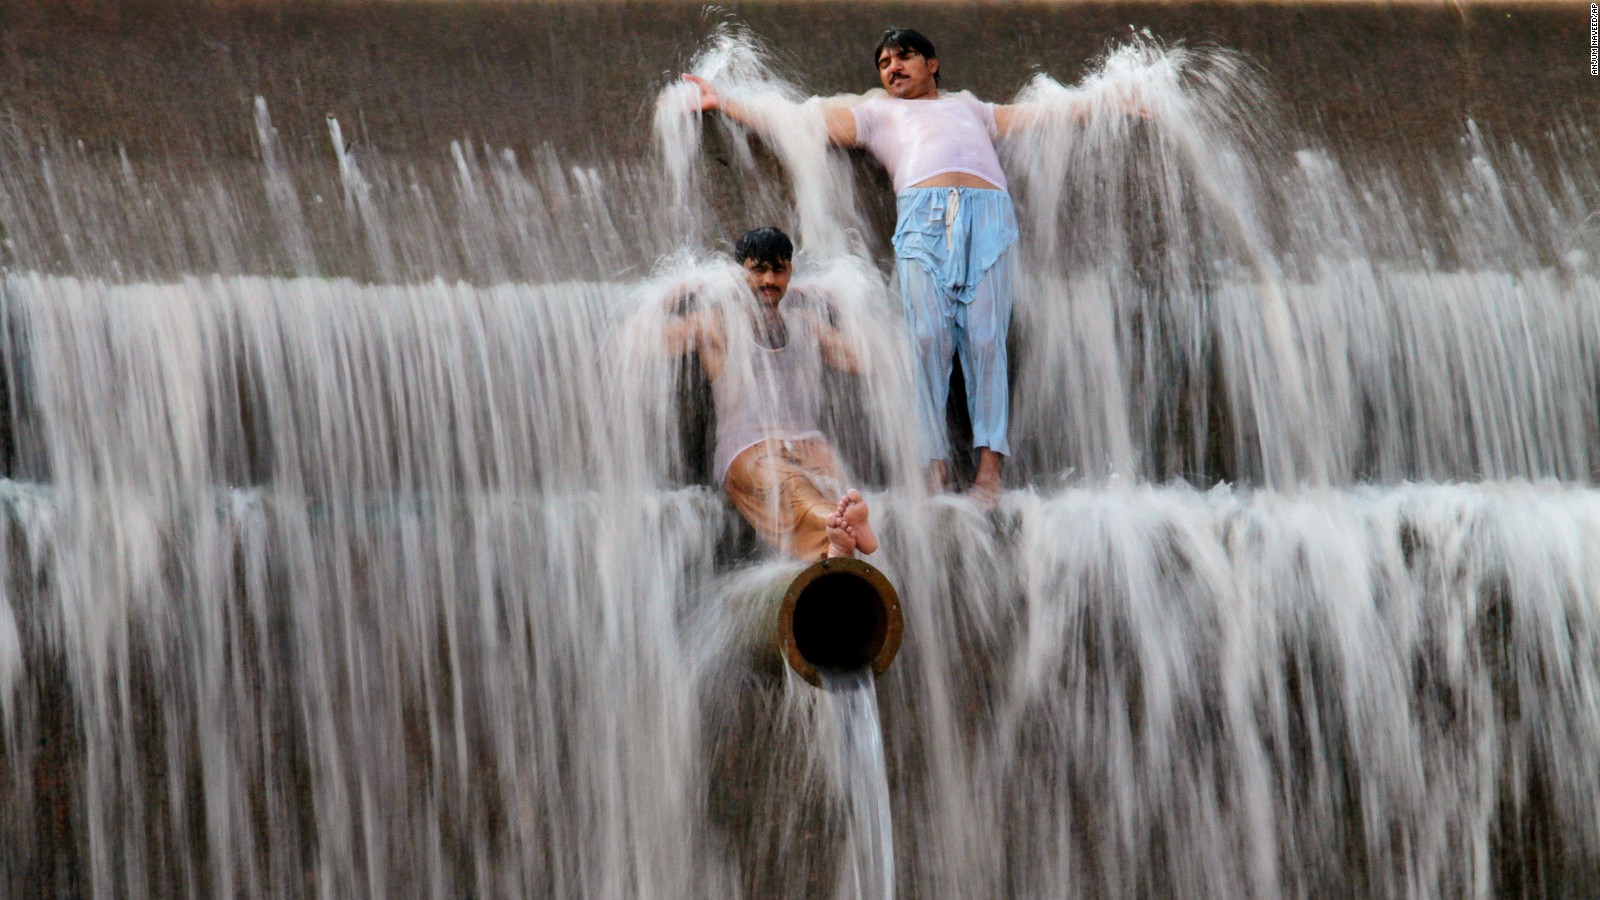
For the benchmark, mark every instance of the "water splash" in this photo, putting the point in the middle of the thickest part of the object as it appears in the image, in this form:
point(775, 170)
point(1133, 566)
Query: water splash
point(827, 219)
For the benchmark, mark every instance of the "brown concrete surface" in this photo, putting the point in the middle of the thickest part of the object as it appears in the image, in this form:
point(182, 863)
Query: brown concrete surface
point(168, 78)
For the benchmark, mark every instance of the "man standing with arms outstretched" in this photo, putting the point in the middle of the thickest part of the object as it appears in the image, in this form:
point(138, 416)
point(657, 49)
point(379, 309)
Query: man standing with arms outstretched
point(953, 238)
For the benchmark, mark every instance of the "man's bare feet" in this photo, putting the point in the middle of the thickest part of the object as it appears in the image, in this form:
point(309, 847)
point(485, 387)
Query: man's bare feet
point(853, 510)
point(841, 537)
point(986, 484)
point(987, 498)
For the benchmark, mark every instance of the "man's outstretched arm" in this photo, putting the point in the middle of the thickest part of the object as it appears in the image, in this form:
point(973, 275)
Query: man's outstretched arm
point(841, 123)
point(1018, 117)
point(841, 127)
point(1014, 117)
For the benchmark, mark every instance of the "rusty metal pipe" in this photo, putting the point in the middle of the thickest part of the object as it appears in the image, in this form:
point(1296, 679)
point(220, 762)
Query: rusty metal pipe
point(839, 614)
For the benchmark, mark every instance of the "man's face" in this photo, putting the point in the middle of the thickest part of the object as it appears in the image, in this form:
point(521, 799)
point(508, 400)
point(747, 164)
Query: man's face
point(907, 74)
point(769, 281)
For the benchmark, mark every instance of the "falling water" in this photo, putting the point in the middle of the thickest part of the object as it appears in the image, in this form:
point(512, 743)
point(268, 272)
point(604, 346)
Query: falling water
point(859, 771)
point(359, 538)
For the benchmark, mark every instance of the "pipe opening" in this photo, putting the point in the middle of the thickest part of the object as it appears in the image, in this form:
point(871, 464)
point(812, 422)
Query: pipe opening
point(839, 622)
point(840, 614)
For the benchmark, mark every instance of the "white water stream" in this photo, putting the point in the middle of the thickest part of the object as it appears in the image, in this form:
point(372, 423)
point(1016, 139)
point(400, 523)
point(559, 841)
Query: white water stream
point(859, 771)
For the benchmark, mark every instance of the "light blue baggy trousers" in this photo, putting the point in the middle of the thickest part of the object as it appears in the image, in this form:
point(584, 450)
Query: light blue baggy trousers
point(955, 260)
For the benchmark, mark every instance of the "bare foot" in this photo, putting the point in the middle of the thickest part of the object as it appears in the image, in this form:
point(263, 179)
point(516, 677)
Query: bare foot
point(841, 537)
point(986, 484)
point(853, 510)
point(987, 497)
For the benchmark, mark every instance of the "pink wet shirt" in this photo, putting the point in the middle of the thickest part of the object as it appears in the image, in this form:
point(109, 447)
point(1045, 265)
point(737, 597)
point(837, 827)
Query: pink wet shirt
point(918, 139)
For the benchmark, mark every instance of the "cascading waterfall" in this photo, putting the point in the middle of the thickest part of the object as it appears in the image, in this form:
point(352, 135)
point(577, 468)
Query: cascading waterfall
point(359, 540)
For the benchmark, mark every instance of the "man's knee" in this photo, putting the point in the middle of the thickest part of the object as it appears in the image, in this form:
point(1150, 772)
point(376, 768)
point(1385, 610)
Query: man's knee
point(817, 514)
point(986, 344)
point(929, 338)
point(985, 330)
point(811, 530)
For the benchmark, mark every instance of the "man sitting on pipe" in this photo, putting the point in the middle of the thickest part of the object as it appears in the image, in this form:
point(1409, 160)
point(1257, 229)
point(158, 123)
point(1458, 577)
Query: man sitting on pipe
point(779, 470)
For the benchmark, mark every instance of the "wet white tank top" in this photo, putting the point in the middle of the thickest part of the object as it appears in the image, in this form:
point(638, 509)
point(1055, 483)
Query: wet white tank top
point(764, 394)
point(918, 139)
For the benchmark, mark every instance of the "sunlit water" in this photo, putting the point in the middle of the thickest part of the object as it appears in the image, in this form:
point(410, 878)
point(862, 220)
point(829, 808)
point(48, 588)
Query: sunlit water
point(358, 542)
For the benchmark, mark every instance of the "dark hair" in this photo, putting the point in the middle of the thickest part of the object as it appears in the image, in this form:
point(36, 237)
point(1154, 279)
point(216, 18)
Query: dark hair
point(764, 245)
point(905, 39)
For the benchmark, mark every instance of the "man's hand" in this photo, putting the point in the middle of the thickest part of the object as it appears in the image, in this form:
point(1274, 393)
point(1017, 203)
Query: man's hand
point(680, 299)
point(709, 99)
point(837, 352)
point(680, 303)
point(708, 94)
point(1134, 104)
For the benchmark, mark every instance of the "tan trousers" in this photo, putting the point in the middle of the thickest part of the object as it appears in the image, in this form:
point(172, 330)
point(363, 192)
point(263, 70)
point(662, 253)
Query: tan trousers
point(787, 490)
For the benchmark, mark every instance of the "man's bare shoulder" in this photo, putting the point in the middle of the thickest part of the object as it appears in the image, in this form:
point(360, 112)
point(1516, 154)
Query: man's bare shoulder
point(847, 105)
point(850, 101)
